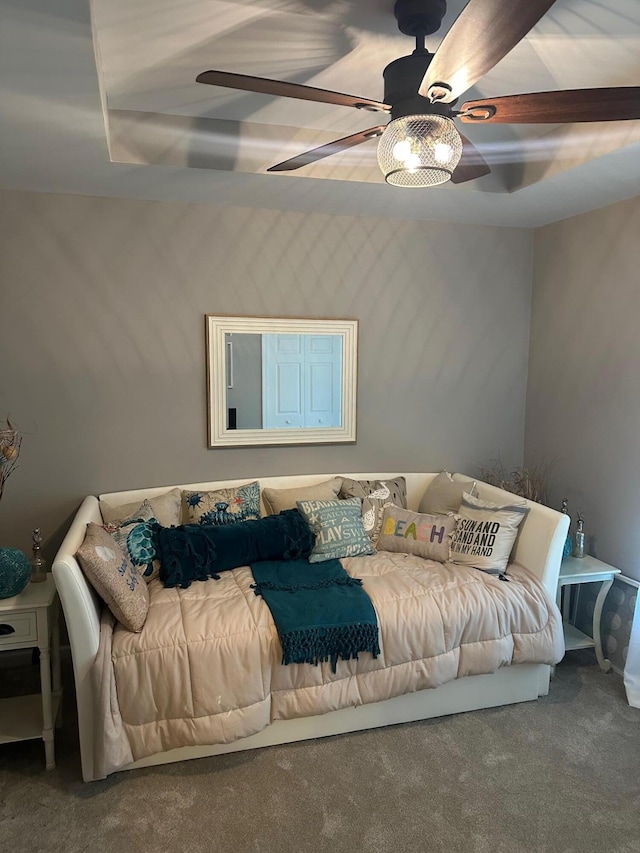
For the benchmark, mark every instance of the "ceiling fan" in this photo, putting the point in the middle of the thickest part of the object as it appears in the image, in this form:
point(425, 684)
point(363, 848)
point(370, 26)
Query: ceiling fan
point(421, 145)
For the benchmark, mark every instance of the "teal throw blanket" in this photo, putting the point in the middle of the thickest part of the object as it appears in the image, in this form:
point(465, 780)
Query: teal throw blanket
point(321, 612)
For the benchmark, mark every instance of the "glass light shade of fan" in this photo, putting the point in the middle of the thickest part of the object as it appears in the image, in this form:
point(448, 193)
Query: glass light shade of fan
point(419, 151)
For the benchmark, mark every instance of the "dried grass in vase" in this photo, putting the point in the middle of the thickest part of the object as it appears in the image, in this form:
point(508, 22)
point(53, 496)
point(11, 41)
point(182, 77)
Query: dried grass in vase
point(528, 481)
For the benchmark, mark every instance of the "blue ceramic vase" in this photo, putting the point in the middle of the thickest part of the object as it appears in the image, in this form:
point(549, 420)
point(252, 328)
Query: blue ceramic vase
point(15, 571)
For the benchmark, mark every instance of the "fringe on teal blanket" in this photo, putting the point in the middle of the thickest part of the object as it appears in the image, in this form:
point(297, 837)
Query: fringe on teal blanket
point(339, 642)
point(321, 613)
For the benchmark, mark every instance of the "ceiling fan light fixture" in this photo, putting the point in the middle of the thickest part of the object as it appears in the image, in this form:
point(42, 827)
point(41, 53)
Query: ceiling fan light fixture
point(419, 151)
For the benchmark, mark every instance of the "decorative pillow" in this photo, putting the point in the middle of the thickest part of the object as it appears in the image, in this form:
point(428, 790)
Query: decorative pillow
point(224, 506)
point(485, 533)
point(276, 500)
point(200, 551)
point(338, 527)
point(135, 536)
point(407, 532)
point(444, 495)
point(114, 577)
point(167, 508)
point(375, 496)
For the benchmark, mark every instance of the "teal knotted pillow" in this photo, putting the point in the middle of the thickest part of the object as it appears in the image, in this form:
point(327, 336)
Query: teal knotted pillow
point(201, 551)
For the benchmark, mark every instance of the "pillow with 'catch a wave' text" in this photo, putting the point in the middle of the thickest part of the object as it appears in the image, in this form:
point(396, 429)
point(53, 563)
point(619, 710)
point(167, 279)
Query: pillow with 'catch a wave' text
point(338, 528)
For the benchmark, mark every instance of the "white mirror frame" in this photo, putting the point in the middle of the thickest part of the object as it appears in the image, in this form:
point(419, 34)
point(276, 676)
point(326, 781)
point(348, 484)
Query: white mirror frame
point(217, 327)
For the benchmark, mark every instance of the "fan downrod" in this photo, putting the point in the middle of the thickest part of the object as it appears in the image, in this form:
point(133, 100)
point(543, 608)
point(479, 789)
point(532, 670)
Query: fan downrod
point(419, 17)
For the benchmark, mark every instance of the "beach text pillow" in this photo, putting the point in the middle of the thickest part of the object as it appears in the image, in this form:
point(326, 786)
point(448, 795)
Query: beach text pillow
point(407, 532)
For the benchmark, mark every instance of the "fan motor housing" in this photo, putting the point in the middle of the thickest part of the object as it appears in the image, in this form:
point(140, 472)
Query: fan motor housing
point(402, 79)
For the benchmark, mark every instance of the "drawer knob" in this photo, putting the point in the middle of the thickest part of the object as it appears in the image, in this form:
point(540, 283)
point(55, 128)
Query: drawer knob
point(6, 629)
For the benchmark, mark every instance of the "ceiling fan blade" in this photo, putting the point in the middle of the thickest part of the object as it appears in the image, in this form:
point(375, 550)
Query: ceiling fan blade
point(472, 164)
point(322, 151)
point(617, 104)
point(484, 32)
point(282, 89)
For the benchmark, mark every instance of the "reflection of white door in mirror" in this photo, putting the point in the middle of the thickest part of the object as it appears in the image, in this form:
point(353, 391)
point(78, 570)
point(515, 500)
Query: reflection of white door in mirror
point(251, 398)
point(301, 381)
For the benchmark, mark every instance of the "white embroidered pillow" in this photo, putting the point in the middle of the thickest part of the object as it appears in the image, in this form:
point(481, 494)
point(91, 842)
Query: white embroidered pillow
point(114, 577)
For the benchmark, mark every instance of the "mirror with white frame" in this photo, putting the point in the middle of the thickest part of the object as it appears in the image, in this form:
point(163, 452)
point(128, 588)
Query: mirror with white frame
point(277, 380)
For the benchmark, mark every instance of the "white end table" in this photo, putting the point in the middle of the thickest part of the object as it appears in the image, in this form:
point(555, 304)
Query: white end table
point(30, 620)
point(576, 570)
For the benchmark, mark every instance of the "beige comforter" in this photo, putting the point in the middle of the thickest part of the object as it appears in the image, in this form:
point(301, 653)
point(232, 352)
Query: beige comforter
point(206, 668)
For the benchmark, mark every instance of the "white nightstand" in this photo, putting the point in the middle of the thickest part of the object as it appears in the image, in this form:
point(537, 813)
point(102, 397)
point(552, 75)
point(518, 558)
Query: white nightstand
point(30, 620)
point(575, 570)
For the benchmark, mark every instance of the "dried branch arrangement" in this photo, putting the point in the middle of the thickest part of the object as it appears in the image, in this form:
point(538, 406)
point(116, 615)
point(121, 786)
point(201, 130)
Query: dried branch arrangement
point(529, 481)
point(10, 443)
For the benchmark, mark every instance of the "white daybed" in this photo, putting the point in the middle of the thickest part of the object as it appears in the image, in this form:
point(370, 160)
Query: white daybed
point(538, 549)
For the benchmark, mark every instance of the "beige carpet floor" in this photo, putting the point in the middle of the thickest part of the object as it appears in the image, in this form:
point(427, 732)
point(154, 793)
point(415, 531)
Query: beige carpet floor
point(560, 775)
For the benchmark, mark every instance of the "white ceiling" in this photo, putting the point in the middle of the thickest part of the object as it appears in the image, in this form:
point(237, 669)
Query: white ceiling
point(122, 115)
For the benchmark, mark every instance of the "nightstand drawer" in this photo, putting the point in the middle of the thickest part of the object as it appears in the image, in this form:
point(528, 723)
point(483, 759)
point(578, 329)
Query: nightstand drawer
point(18, 628)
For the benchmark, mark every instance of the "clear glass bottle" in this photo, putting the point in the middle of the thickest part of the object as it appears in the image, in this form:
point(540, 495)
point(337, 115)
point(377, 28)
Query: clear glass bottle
point(578, 547)
point(38, 563)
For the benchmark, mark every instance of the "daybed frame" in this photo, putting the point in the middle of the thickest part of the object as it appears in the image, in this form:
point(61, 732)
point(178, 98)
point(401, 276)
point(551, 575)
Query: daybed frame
point(538, 548)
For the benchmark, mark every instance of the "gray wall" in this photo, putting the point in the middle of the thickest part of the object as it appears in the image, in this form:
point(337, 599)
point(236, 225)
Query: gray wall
point(102, 342)
point(583, 401)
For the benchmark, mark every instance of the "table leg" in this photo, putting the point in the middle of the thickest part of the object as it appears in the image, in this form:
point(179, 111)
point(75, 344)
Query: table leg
point(55, 662)
point(47, 707)
point(604, 663)
point(566, 603)
point(559, 604)
point(55, 652)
